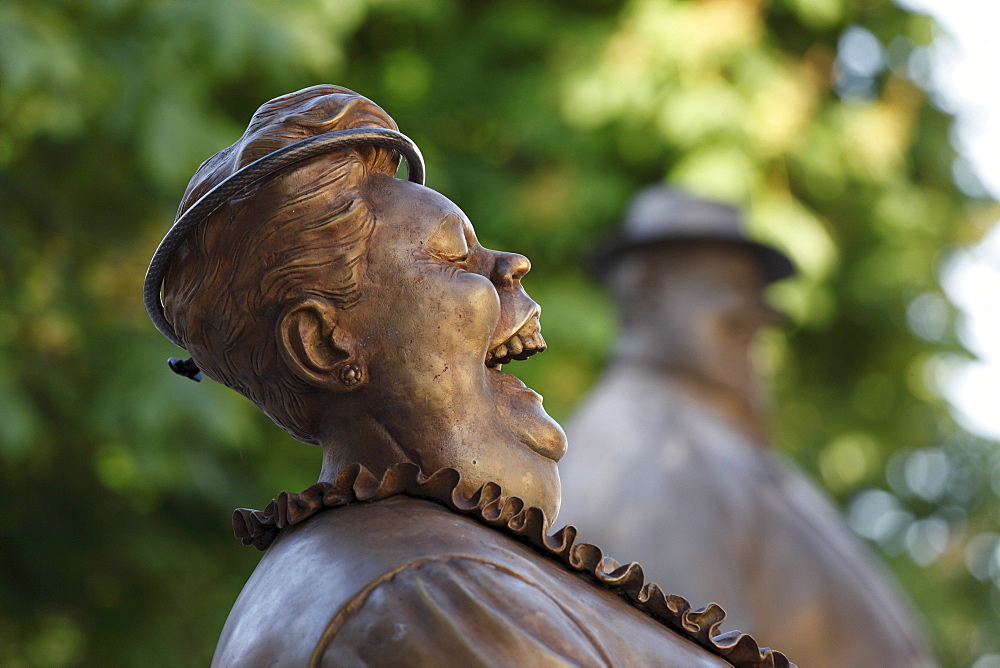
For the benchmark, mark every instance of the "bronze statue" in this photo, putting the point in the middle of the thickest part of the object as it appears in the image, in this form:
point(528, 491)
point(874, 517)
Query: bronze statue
point(359, 312)
point(675, 430)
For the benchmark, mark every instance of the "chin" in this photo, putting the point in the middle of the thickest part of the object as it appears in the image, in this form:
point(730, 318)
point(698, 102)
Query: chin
point(555, 502)
point(520, 410)
point(544, 436)
point(548, 445)
point(542, 489)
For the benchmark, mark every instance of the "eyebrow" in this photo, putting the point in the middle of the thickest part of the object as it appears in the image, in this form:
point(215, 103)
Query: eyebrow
point(451, 228)
point(464, 226)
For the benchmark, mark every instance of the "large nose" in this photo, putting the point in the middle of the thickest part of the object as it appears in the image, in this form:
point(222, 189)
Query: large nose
point(508, 269)
point(516, 307)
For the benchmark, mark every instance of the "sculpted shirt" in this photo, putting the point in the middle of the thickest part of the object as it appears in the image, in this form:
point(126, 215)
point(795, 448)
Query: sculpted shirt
point(408, 581)
point(655, 476)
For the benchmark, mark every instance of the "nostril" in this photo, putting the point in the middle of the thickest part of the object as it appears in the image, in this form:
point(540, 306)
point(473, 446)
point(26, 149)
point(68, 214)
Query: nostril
point(510, 267)
point(521, 266)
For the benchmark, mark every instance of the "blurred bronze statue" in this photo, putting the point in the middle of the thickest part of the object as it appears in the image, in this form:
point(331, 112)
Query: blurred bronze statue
point(675, 429)
point(359, 312)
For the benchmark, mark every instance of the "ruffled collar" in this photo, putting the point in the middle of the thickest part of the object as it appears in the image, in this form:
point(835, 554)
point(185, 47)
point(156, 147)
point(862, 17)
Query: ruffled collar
point(509, 515)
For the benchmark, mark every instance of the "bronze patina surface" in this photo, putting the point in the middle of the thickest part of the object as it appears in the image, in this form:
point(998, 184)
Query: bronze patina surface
point(670, 464)
point(360, 313)
point(584, 638)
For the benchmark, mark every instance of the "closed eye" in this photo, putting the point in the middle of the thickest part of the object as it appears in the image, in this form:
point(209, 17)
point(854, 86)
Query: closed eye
point(451, 243)
point(459, 260)
point(452, 264)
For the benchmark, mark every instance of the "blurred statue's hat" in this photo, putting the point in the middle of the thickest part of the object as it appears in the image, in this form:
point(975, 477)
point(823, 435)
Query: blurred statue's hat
point(660, 215)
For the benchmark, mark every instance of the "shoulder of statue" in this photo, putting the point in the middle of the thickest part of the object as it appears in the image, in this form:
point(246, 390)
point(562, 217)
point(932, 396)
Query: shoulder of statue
point(366, 540)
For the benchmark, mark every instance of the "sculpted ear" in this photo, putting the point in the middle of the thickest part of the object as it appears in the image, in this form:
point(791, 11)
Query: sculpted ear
point(316, 349)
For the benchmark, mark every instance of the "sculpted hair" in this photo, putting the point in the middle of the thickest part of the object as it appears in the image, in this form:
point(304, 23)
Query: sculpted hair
point(267, 249)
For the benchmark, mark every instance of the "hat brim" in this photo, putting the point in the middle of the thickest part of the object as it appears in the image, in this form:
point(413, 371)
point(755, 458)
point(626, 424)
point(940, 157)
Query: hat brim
point(774, 264)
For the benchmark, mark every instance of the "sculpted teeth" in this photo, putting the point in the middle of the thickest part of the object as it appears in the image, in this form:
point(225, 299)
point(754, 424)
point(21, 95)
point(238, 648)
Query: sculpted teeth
point(515, 345)
point(522, 345)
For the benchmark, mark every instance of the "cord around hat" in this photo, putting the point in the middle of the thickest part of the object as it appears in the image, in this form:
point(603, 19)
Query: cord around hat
point(256, 170)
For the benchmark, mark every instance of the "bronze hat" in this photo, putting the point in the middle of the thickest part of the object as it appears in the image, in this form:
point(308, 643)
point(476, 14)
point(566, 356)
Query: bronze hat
point(660, 216)
point(232, 170)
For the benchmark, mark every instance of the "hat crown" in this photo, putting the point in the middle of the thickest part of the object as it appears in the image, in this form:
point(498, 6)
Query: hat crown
point(660, 213)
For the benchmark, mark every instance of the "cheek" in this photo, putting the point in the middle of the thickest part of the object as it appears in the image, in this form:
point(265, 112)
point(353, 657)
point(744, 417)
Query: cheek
point(444, 319)
point(477, 309)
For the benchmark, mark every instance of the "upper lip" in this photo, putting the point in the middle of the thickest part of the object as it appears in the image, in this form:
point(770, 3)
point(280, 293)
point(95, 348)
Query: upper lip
point(523, 343)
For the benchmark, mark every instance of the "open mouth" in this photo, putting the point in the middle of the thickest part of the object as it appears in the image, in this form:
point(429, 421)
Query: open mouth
point(518, 406)
point(524, 343)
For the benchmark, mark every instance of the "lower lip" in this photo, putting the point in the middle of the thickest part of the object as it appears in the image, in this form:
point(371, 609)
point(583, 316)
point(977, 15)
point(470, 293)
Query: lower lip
point(513, 382)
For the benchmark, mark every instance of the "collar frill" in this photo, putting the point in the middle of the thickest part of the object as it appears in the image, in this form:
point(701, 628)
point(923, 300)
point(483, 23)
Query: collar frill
point(509, 515)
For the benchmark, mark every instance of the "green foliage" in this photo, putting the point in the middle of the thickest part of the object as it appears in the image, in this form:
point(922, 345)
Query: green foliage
point(539, 119)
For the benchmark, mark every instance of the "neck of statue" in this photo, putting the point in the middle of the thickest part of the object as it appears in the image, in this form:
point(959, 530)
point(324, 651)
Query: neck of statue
point(359, 439)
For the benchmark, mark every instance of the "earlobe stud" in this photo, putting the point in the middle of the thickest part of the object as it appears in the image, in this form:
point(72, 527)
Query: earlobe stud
point(350, 374)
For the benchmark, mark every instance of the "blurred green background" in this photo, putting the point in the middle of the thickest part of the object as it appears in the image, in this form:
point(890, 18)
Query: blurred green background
point(540, 119)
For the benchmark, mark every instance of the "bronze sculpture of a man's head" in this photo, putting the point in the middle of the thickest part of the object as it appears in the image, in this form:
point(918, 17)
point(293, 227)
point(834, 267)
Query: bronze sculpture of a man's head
point(358, 310)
